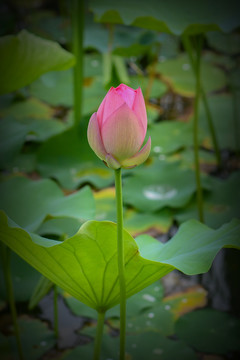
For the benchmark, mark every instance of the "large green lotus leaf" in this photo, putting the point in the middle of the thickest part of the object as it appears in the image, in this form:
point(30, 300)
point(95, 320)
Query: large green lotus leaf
point(24, 278)
point(85, 265)
point(179, 74)
point(161, 184)
point(174, 16)
point(169, 136)
point(220, 205)
point(210, 331)
point(29, 202)
point(78, 165)
point(34, 56)
point(226, 120)
point(36, 340)
point(144, 299)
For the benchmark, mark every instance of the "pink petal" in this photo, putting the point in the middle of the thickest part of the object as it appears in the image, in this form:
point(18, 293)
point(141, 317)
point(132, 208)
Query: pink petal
point(122, 134)
point(94, 137)
point(139, 158)
point(127, 94)
point(139, 109)
point(110, 103)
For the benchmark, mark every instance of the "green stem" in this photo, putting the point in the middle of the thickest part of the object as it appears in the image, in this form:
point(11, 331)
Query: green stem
point(78, 30)
point(6, 252)
point(195, 132)
point(121, 262)
point(211, 127)
point(188, 48)
point(55, 310)
point(196, 65)
point(98, 338)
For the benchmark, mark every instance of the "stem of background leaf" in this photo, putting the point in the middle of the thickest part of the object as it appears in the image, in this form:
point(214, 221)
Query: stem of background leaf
point(188, 47)
point(6, 253)
point(98, 338)
point(235, 120)
point(55, 295)
point(77, 43)
point(121, 262)
point(196, 64)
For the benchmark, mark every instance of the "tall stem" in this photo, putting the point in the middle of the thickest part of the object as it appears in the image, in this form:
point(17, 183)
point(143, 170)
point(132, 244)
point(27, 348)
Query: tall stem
point(6, 252)
point(55, 294)
point(121, 262)
point(78, 29)
point(195, 131)
point(211, 127)
point(98, 338)
point(188, 48)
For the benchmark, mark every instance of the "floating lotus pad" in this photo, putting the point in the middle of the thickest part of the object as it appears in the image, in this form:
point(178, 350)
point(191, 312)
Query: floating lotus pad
point(170, 136)
point(220, 205)
point(36, 340)
point(134, 222)
point(226, 120)
point(210, 331)
point(78, 163)
point(162, 184)
point(179, 74)
point(29, 202)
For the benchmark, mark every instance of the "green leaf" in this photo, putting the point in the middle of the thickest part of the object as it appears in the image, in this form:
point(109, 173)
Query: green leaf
point(86, 267)
point(11, 140)
point(161, 184)
point(29, 202)
point(220, 205)
point(34, 56)
point(151, 346)
point(41, 289)
point(24, 278)
point(169, 136)
point(179, 74)
point(79, 164)
point(210, 331)
point(36, 340)
point(226, 43)
point(225, 112)
point(158, 88)
point(174, 16)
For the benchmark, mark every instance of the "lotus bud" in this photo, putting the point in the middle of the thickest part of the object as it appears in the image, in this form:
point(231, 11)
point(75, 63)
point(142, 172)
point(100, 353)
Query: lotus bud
point(117, 130)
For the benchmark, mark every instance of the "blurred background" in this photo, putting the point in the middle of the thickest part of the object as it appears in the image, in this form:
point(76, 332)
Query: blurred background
point(58, 60)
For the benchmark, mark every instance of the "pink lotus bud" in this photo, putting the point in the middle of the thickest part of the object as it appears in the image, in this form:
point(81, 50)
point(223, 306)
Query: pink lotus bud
point(117, 130)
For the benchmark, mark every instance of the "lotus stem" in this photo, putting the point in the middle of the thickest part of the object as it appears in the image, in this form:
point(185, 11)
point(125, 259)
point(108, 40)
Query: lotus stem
point(6, 253)
point(98, 338)
point(55, 303)
point(121, 262)
point(77, 43)
point(188, 48)
point(196, 65)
